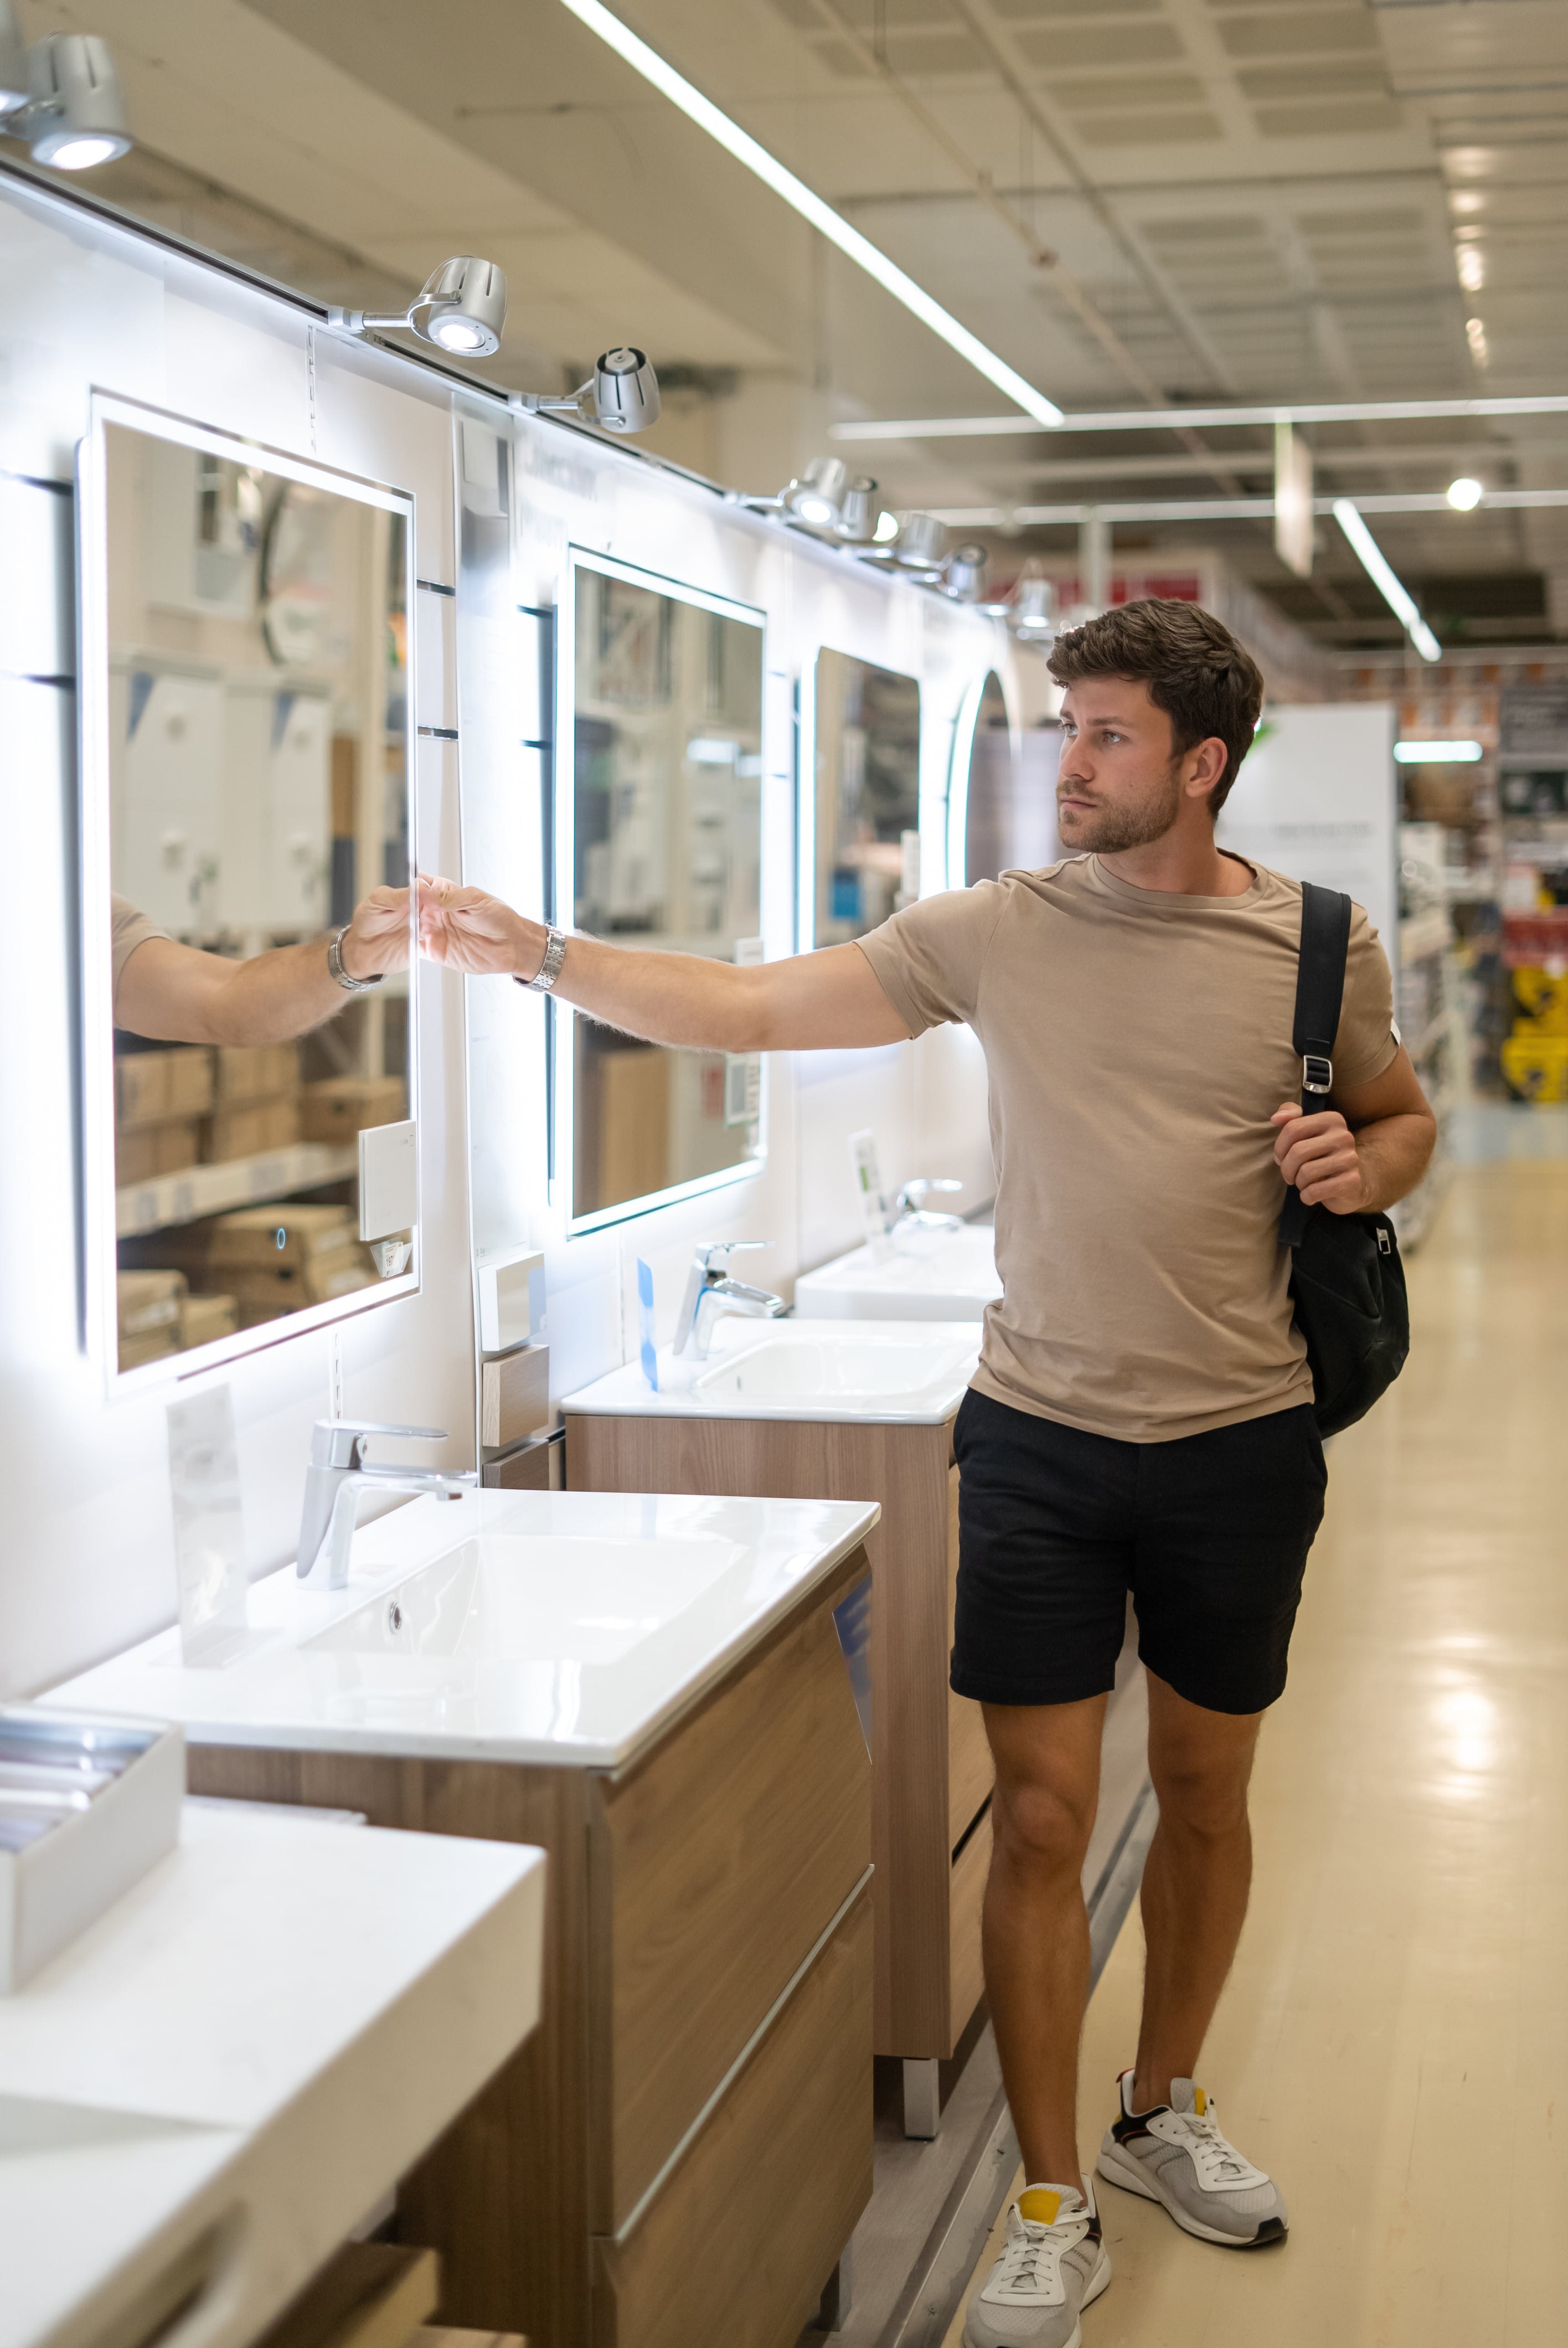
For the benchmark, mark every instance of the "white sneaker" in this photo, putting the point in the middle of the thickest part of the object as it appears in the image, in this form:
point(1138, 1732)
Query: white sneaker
point(1053, 2264)
point(1174, 2154)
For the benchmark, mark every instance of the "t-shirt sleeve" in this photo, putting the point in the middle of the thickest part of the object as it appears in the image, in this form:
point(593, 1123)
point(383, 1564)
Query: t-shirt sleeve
point(128, 930)
point(927, 959)
point(1367, 1042)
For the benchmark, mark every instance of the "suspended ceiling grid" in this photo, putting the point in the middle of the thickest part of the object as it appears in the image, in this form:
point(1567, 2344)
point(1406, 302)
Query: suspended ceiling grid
point(1208, 198)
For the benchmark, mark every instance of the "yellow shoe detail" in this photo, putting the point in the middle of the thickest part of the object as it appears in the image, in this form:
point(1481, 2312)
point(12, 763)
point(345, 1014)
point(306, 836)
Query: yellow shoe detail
point(1039, 2205)
point(1200, 2102)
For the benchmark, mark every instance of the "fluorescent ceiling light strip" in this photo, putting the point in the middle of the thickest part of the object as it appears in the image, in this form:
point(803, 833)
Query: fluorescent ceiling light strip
point(1394, 592)
point(1415, 501)
point(1436, 753)
point(810, 207)
point(1167, 420)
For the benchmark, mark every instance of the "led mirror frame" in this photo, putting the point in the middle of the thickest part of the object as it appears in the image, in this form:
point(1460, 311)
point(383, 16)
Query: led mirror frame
point(563, 1059)
point(965, 726)
point(93, 800)
point(931, 881)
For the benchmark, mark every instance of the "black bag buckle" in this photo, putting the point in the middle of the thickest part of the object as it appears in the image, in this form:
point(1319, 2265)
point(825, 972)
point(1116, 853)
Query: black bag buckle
point(1316, 1073)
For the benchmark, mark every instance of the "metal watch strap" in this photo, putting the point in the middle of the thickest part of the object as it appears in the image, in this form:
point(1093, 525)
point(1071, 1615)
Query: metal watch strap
point(549, 971)
point(334, 964)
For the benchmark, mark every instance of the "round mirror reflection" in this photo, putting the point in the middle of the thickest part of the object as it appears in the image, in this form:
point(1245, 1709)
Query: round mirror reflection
point(1009, 822)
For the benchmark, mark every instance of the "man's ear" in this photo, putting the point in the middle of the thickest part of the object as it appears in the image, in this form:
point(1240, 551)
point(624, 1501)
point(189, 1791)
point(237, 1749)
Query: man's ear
point(1205, 763)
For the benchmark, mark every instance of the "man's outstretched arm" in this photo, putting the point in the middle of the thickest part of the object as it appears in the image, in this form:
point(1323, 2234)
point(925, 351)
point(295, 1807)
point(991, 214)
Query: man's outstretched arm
point(816, 1001)
point(179, 995)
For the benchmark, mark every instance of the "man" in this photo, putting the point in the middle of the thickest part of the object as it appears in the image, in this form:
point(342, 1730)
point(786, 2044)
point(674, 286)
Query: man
point(1142, 1418)
point(179, 995)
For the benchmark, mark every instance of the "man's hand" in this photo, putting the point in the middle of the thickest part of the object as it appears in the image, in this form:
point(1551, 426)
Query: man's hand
point(377, 940)
point(469, 930)
point(1317, 1156)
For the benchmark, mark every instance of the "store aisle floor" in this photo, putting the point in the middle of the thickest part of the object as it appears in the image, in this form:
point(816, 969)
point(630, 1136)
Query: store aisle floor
point(1394, 2042)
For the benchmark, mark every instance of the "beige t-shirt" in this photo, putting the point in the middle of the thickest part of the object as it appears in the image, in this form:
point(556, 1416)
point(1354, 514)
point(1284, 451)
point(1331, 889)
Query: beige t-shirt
point(1137, 1044)
point(128, 929)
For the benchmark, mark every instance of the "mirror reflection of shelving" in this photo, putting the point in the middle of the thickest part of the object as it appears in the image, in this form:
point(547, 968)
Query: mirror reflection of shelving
point(867, 817)
point(257, 709)
point(667, 853)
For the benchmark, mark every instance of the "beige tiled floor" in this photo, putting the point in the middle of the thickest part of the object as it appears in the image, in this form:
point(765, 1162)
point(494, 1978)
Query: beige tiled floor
point(1394, 2042)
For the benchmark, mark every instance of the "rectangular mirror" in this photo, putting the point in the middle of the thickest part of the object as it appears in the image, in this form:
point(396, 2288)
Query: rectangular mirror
point(246, 778)
point(659, 845)
point(865, 807)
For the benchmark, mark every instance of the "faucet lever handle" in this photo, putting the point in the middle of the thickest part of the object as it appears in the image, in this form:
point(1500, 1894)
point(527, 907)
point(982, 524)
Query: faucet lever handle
point(336, 1442)
point(714, 1254)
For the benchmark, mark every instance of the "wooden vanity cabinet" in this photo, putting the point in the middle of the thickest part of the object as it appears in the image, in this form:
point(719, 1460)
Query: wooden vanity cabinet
point(932, 1778)
point(704, 2056)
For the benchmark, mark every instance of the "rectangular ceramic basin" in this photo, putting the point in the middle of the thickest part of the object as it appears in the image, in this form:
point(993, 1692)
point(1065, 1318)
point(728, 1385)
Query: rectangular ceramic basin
point(917, 1276)
point(828, 1371)
point(505, 1598)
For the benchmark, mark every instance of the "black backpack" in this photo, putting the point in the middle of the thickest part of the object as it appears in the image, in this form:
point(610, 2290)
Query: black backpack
point(1347, 1282)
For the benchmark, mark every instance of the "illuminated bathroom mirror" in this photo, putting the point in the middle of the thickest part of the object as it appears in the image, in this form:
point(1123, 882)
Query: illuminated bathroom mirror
point(251, 1160)
point(861, 836)
point(1001, 792)
point(659, 845)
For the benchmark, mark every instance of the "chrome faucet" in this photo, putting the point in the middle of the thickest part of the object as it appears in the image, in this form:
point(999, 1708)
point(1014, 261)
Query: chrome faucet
point(913, 1213)
point(338, 1473)
point(711, 1294)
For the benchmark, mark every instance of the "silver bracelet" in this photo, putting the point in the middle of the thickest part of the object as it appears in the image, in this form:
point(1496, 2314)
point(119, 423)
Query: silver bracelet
point(549, 971)
point(334, 964)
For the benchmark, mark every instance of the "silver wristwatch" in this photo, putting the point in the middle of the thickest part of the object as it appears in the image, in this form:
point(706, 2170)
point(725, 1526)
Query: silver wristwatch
point(334, 964)
point(549, 971)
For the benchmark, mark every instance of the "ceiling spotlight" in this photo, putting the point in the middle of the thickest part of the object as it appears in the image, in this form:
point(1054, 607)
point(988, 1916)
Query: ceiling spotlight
point(461, 308)
point(859, 518)
point(1464, 495)
point(623, 389)
point(887, 529)
point(61, 95)
point(816, 498)
point(963, 570)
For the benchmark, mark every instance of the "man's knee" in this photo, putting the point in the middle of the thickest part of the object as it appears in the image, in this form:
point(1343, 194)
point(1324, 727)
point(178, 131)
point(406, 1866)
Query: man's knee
point(1205, 1795)
point(1042, 1825)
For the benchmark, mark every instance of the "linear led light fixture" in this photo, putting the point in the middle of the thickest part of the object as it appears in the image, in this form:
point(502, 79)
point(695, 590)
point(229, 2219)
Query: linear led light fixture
point(810, 207)
point(1168, 419)
point(1391, 588)
point(1436, 753)
point(1414, 501)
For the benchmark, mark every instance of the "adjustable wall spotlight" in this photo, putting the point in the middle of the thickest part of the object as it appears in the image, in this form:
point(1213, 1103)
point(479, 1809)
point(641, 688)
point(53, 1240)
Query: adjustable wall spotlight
point(817, 496)
point(1033, 610)
point(963, 570)
point(860, 515)
point(461, 308)
point(623, 386)
point(921, 542)
point(61, 95)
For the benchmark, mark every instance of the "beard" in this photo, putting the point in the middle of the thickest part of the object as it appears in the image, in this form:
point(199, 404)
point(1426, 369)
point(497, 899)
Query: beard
point(1107, 828)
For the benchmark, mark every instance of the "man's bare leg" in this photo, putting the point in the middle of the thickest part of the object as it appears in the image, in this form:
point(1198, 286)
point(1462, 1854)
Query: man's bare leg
point(1197, 1879)
point(1035, 1933)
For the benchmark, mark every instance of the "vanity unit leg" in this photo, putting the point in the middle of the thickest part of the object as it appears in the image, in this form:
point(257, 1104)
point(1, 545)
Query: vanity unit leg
point(922, 2096)
point(838, 2296)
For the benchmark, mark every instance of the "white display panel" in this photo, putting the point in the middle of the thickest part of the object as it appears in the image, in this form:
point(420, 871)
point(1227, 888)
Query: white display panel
point(1317, 799)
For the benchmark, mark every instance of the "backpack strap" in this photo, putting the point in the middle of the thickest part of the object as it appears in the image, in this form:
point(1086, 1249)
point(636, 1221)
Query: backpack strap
point(1320, 993)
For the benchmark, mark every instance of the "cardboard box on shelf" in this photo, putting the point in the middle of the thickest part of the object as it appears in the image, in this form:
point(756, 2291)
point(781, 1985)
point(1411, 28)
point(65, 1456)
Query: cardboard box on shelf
point(150, 1150)
point(202, 1318)
point(334, 1273)
point(251, 1129)
point(150, 1087)
point(285, 1234)
point(152, 1346)
point(255, 1072)
point(341, 1107)
point(148, 1300)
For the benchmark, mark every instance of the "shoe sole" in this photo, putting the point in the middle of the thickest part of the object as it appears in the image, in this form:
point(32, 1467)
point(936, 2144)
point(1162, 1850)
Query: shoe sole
point(1098, 2282)
point(1130, 2178)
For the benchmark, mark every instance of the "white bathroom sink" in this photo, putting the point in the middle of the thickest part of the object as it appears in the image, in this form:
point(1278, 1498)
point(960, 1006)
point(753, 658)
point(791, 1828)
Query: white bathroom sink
point(892, 1373)
point(917, 1275)
point(566, 1628)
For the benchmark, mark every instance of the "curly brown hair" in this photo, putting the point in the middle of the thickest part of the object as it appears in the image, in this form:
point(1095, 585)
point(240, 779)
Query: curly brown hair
point(1193, 667)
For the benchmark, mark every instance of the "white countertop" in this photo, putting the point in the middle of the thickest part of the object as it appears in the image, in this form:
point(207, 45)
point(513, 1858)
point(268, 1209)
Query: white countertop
point(251, 2046)
point(567, 1628)
point(890, 1373)
point(917, 1275)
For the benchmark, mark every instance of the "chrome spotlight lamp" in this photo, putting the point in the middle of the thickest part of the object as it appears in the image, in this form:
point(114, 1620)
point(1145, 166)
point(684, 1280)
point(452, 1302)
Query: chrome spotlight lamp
point(1032, 616)
point(963, 571)
point(461, 309)
point(61, 95)
point(623, 388)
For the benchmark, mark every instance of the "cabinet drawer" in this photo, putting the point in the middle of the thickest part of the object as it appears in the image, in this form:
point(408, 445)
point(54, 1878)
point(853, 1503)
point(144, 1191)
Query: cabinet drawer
point(716, 1866)
point(748, 2227)
point(969, 1771)
point(966, 1978)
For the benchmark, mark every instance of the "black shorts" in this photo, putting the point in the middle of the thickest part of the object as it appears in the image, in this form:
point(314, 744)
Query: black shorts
point(1210, 1534)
